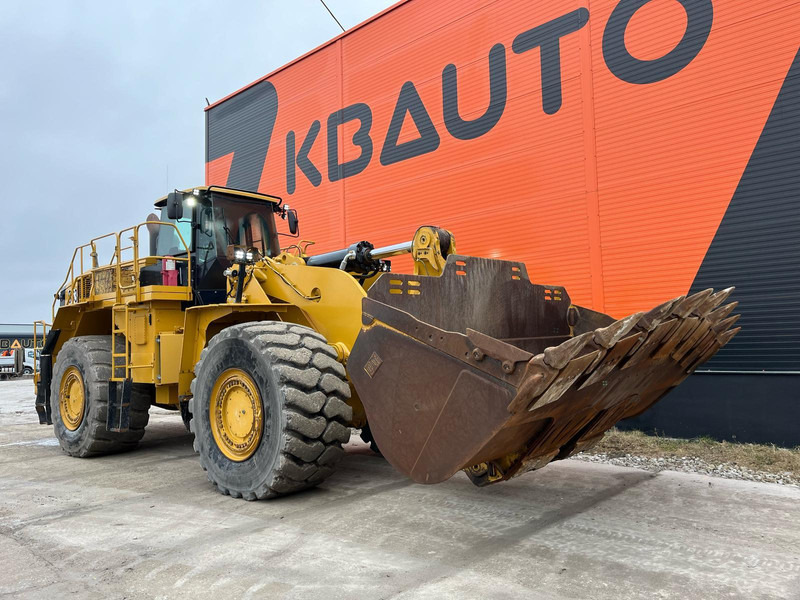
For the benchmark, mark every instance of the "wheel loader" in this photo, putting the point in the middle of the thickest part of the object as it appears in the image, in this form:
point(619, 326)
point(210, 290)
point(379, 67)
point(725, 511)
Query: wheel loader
point(272, 355)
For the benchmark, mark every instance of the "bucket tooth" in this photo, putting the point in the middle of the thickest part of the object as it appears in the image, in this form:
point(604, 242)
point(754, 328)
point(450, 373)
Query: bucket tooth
point(714, 300)
point(702, 357)
point(709, 351)
point(728, 336)
point(721, 340)
point(611, 360)
point(608, 336)
point(726, 324)
point(558, 356)
point(700, 348)
point(691, 341)
point(723, 312)
point(564, 381)
point(685, 308)
point(680, 333)
point(538, 377)
point(652, 318)
point(645, 350)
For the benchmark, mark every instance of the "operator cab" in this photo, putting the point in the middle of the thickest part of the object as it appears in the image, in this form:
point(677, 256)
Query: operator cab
point(210, 220)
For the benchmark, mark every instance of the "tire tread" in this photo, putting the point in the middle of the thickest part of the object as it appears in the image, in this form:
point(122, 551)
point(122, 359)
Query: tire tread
point(314, 391)
point(99, 440)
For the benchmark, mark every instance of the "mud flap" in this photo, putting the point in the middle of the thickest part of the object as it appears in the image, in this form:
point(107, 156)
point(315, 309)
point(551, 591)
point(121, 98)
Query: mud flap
point(485, 376)
point(118, 417)
point(43, 408)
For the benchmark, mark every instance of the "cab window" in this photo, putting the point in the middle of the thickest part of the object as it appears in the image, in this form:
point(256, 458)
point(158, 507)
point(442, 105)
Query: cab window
point(167, 241)
point(245, 223)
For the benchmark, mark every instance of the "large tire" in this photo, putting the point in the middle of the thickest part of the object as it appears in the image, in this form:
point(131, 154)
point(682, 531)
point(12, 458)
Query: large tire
point(91, 356)
point(302, 391)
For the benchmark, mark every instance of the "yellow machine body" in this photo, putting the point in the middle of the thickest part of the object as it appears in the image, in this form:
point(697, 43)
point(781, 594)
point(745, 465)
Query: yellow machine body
point(464, 364)
point(165, 339)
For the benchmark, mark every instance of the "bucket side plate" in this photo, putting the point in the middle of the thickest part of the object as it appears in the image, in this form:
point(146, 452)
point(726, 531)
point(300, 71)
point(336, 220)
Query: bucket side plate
point(512, 396)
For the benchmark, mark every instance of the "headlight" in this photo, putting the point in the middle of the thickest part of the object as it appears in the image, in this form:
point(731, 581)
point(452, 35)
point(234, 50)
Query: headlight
point(249, 256)
point(238, 254)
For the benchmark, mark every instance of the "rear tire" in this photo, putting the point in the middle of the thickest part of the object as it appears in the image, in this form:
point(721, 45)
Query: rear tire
point(302, 421)
point(86, 361)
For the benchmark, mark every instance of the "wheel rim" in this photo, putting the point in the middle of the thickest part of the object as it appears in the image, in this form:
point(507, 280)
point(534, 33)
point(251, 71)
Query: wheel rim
point(72, 398)
point(236, 415)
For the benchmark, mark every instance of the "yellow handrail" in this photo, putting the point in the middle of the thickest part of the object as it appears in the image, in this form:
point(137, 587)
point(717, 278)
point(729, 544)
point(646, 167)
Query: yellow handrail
point(136, 266)
point(116, 260)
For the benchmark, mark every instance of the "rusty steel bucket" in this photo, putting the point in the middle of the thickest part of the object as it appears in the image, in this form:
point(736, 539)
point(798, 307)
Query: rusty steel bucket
point(481, 370)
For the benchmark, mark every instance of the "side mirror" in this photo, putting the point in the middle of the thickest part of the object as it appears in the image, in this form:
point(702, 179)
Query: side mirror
point(291, 216)
point(175, 206)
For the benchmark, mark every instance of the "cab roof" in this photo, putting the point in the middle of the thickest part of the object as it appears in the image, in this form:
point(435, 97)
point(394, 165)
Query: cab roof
point(225, 190)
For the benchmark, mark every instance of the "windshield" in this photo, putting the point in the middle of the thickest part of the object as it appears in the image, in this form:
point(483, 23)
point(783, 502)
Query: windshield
point(245, 223)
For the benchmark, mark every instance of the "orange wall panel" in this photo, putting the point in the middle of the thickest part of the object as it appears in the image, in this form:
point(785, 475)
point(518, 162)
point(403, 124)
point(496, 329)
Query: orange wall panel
point(615, 191)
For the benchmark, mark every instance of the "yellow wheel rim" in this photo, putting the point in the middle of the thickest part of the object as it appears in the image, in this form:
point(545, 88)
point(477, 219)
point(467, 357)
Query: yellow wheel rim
point(71, 398)
point(236, 415)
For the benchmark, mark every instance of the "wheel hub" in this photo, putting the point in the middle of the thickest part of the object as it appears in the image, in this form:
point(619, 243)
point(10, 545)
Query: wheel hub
point(72, 398)
point(236, 415)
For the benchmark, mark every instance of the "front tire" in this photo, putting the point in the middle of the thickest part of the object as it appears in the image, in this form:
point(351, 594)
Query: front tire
point(269, 411)
point(79, 399)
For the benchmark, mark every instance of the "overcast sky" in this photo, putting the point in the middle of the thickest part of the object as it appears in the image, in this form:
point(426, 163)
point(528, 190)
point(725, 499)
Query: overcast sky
point(101, 112)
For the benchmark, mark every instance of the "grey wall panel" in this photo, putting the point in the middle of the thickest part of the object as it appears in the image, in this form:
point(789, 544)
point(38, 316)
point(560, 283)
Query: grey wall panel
point(757, 246)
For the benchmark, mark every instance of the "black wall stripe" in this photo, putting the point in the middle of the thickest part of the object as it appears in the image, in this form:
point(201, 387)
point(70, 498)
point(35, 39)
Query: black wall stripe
point(757, 246)
point(243, 125)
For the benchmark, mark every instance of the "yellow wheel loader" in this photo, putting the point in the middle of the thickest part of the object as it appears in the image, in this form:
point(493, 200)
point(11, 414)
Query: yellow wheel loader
point(272, 355)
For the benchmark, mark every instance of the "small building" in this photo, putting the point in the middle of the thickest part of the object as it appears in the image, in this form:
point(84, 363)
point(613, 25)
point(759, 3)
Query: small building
point(16, 335)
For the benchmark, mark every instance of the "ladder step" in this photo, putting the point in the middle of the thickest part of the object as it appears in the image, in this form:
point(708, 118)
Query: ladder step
point(119, 340)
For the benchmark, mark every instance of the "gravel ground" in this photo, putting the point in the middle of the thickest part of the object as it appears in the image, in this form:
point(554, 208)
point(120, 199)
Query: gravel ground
point(690, 464)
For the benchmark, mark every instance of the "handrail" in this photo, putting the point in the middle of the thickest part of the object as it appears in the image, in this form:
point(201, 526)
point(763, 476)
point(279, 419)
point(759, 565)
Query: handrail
point(70, 276)
point(116, 261)
point(136, 268)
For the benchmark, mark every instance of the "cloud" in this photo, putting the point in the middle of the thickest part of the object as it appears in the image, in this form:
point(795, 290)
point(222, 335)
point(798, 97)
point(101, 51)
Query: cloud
point(101, 113)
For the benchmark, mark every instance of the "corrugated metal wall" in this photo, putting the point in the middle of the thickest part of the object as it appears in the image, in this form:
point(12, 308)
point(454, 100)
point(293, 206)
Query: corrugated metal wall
point(757, 246)
point(600, 142)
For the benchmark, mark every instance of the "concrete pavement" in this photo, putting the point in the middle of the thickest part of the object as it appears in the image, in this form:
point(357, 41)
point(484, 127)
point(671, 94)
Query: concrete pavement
point(147, 524)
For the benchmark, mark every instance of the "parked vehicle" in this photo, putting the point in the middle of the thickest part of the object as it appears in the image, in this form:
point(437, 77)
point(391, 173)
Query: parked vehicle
point(12, 363)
